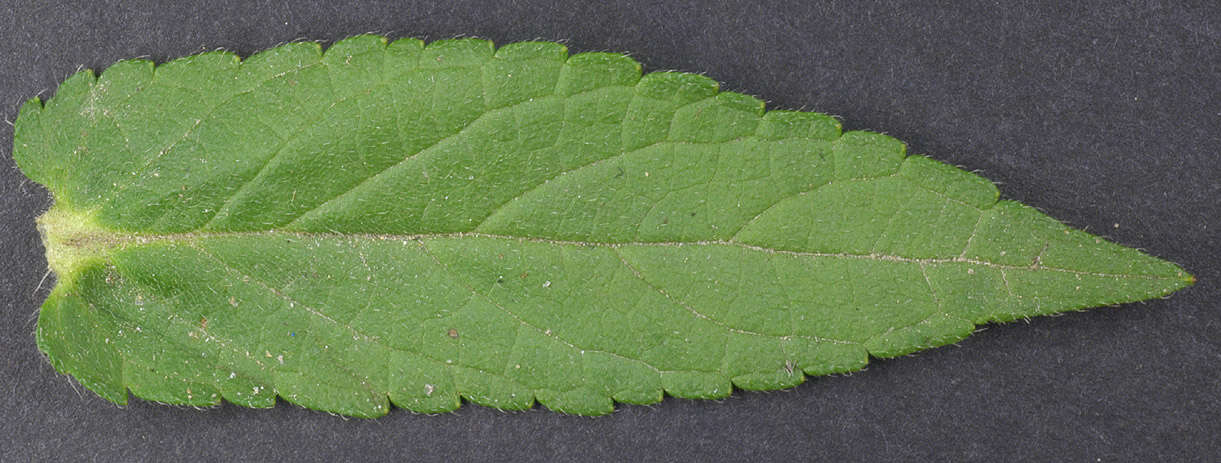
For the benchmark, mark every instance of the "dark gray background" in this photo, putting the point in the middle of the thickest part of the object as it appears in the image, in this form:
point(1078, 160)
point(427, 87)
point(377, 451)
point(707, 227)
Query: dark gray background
point(1105, 116)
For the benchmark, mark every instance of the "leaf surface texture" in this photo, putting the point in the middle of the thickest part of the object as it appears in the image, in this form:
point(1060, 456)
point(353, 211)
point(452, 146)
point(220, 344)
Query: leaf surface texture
point(411, 224)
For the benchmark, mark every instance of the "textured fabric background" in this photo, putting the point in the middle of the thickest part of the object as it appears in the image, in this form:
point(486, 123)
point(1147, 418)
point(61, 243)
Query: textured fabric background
point(1105, 116)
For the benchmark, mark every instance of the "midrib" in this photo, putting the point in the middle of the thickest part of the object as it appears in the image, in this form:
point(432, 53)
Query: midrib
point(71, 238)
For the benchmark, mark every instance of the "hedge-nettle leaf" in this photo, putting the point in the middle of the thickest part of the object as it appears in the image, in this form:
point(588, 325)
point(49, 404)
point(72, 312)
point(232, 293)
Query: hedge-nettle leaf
point(410, 224)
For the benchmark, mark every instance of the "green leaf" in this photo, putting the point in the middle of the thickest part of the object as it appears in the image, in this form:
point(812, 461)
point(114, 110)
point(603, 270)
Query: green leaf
point(395, 223)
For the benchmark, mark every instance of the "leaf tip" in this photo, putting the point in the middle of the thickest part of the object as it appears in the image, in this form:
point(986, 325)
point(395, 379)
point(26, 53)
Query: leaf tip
point(1187, 278)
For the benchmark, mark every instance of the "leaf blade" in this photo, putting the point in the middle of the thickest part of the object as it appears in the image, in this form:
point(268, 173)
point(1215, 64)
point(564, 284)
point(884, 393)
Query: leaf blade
point(577, 234)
